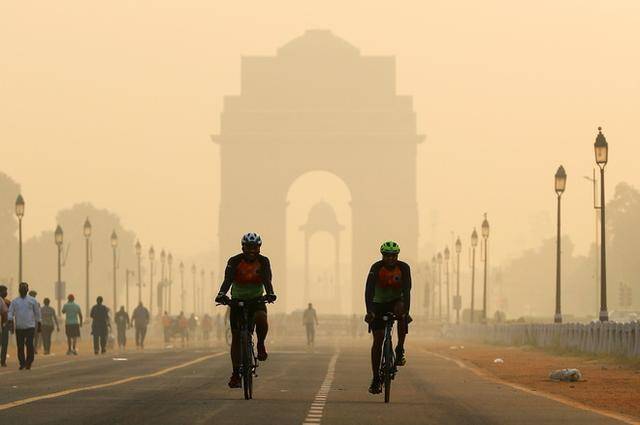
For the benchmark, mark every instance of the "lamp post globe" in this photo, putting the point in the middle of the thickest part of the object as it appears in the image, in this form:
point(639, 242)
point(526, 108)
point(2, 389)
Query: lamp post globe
point(59, 236)
point(458, 246)
point(474, 238)
point(86, 230)
point(560, 180)
point(114, 239)
point(485, 227)
point(20, 207)
point(138, 248)
point(601, 149)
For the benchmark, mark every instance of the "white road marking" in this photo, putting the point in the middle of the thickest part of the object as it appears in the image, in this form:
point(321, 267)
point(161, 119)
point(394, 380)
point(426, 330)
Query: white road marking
point(314, 416)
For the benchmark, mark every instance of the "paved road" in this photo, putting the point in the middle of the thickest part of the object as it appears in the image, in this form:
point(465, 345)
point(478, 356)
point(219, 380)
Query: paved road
point(294, 387)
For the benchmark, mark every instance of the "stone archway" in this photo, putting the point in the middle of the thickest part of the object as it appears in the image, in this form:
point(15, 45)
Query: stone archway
point(319, 105)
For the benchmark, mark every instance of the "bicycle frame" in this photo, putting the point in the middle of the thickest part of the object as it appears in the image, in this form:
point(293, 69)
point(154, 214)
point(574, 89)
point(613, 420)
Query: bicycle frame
point(388, 362)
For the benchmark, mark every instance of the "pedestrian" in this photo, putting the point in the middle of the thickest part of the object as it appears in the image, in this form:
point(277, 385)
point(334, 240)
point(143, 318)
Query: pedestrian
point(122, 323)
point(193, 325)
point(4, 325)
point(100, 326)
point(72, 323)
point(166, 328)
point(207, 324)
point(310, 321)
point(36, 337)
point(49, 319)
point(140, 319)
point(24, 317)
point(183, 325)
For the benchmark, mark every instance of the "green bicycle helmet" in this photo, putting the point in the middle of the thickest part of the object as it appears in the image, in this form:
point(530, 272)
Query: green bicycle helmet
point(390, 247)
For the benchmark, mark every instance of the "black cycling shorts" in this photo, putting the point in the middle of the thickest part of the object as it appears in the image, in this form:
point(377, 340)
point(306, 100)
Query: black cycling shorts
point(379, 309)
point(235, 314)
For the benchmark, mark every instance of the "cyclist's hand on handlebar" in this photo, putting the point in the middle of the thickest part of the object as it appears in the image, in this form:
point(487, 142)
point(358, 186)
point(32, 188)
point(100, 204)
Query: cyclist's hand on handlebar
point(369, 317)
point(222, 299)
point(270, 298)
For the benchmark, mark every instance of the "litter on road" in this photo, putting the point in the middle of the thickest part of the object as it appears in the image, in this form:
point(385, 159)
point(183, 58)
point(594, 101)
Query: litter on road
point(566, 375)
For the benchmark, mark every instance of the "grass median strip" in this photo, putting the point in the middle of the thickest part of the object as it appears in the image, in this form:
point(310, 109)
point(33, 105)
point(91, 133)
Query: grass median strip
point(63, 393)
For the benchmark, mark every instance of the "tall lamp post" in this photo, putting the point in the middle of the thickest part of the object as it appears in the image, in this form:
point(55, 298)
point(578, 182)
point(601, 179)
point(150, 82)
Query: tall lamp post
point(458, 302)
point(139, 254)
point(447, 256)
point(601, 148)
point(202, 285)
point(170, 282)
point(161, 286)
point(433, 287)
point(87, 237)
point(439, 259)
point(114, 246)
point(19, 214)
point(126, 283)
point(181, 286)
point(59, 238)
point(474, 244)
point(152, 258)
point(193, 272)
point(485, 237)
point(560, 184)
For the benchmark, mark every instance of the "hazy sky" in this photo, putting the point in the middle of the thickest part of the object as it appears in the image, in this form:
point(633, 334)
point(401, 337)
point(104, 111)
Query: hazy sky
point(113, 103)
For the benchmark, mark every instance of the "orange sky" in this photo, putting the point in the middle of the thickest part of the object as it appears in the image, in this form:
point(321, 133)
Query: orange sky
point(114, 102)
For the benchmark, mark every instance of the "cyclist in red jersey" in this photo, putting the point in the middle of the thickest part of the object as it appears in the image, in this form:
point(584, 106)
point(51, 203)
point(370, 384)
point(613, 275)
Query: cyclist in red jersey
point(388, 289)
point(248, 275)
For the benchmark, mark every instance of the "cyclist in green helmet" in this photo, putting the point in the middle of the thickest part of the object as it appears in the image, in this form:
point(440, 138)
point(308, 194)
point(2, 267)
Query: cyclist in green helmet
point(388, 289)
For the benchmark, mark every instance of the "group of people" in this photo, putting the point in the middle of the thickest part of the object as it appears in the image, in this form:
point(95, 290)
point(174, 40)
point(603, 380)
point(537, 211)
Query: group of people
point(186, 328)
point(33, 324)
point(248, 276)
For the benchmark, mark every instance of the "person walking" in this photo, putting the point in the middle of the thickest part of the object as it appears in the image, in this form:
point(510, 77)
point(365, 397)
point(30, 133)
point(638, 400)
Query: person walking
point(122, 323)
point(193, 325)
point(100, 326)
point(207, 325)
point(49, 319)
point(140, 319)
point(36, 337)
point(4, 325)
point(72, 323)
point(24, 316)
point(166, 328)
point(183, 325)
point(310, 321)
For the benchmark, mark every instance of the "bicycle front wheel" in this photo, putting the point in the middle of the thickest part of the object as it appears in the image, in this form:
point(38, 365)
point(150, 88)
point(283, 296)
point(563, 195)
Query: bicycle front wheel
point(387, 368)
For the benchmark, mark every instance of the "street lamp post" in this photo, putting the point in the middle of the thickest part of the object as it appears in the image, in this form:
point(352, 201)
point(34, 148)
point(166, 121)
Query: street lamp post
point(202, 285)
point(560, 184)
point(162, 286)
point(170, 282)
point(601, 148)
point(485, 237)
point(181, 286)
point(439, 259)
point(193, 271)
point(127, 274)
point(87, 236)
point(19, 214)
point(139, 254)
point(59, 237)
point(474, 244)
point(447, 256)
point(458, 302)
point(433, 288)
point(114, 246)
point(152, 258)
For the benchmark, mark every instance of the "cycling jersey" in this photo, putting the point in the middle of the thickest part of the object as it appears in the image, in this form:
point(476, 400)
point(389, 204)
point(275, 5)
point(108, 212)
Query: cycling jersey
point(247, 279)
point(385, 285)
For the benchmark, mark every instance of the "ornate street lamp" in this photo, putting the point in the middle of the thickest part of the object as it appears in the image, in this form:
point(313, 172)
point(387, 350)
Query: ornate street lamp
point(152, 258)
point(169, 282)
point(193, 271)
point(447, 256)
point(485, 237)
point(59, 239)
point(19, 214)
point(560, 184)
point(139, 255)
point(161, 286)
point(458, 302)
point(439, 260)
point(474, 244)
point(433, 287)
point(114, 246)
point(601, 149)
point(87, 236)
point(181, 286)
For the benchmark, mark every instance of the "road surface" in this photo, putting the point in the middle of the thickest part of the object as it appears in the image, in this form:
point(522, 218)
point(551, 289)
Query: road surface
point(295, 386)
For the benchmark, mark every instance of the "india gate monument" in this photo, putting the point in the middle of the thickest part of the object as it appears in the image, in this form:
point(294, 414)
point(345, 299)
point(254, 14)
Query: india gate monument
point(319, 105)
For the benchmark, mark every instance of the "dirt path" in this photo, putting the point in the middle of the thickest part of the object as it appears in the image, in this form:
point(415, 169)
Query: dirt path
point(605, 384)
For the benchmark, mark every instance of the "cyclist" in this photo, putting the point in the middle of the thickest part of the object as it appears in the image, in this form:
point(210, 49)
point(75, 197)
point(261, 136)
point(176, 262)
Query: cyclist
point(388, 289)
point(248, 275)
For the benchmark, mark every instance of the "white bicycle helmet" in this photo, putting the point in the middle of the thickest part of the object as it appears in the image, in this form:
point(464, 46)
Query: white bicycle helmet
point(252, 238)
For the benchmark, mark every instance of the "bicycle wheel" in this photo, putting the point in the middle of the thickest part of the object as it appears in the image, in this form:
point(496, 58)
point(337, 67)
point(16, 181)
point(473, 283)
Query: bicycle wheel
point(387, 368)
point(246, 366)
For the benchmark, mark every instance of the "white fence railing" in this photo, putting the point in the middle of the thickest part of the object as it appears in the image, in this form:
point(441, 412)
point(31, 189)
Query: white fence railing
point(619, 339)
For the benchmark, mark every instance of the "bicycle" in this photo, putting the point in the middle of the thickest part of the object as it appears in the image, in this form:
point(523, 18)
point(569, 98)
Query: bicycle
point(248, 359)
point(388, 367)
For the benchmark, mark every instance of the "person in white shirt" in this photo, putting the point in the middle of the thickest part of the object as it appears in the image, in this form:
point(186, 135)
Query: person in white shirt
point(24, 315)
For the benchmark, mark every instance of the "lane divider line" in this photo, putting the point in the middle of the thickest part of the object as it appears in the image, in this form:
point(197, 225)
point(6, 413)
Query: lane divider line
point(316, 410)
point(567, 402)
point(63, 393)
